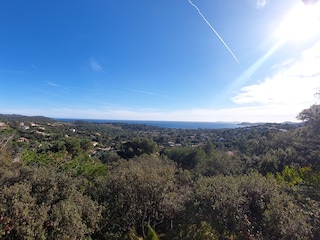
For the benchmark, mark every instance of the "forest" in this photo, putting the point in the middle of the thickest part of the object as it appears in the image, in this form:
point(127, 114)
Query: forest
point(85, 180)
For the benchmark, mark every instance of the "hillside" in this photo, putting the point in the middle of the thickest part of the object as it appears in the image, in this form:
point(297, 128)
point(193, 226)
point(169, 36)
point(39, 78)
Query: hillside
point(84, 180)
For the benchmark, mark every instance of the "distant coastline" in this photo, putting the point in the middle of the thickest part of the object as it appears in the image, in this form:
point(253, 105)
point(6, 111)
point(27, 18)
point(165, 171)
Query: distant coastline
point(164, 124)
point(154, 123)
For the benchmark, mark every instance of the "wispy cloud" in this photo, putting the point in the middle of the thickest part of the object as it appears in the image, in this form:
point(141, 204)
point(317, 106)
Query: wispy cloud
point(213, 29)
point(261, 3)
point(95, 66)
point(9, 71)
point(149, 93)
point(52, 84)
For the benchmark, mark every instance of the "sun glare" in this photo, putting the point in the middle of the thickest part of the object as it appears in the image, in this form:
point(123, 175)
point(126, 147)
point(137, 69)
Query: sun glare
point(302, 23)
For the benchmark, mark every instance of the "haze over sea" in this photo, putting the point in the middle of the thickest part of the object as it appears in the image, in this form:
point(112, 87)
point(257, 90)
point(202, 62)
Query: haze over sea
point(164, 124)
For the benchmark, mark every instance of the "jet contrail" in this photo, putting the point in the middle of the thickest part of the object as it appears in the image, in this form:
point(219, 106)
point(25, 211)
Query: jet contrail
point(217, 34)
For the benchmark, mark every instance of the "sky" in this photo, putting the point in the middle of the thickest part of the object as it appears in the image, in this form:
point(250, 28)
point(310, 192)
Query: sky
point(172, 60)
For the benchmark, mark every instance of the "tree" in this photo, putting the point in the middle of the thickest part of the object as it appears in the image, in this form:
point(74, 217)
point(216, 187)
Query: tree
point(245, 207)
point(218, 163)
point(311, 117)
point(185, 157)
point(201, 231)
point(5, 154)
point(209, 148)
point(138, 147)
point(309, 138)
point(140, 192)
point(73, 146)
point(42, 203)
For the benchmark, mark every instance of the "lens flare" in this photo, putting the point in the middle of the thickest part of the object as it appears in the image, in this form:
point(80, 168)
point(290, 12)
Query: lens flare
point(301, 24)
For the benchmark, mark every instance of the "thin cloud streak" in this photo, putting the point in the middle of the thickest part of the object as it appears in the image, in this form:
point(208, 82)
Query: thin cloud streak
point(8, 71)
point(149, 93)
point(52, 84)
point(212, 28)
point(95, 66)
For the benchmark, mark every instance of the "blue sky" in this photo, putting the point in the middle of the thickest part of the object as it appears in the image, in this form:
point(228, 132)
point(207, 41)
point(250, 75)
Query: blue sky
point(159, 60)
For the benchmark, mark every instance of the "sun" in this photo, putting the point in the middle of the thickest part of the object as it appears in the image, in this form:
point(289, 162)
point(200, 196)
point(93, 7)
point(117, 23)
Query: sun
point(301, 24)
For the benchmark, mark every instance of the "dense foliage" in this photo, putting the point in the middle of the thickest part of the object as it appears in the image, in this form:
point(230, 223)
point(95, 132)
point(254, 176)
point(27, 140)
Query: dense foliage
point(83, 180)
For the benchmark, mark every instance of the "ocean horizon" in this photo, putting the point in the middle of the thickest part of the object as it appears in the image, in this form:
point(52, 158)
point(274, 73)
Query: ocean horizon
point(163, 124)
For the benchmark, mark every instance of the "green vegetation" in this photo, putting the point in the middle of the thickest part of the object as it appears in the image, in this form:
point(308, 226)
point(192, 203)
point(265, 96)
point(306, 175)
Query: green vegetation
point(82, 180)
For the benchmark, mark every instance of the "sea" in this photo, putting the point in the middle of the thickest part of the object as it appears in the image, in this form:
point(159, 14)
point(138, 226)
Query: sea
point(164, 124)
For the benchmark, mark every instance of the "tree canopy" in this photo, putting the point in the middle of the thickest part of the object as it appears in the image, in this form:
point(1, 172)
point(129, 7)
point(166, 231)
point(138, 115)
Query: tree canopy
point(81, 180)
